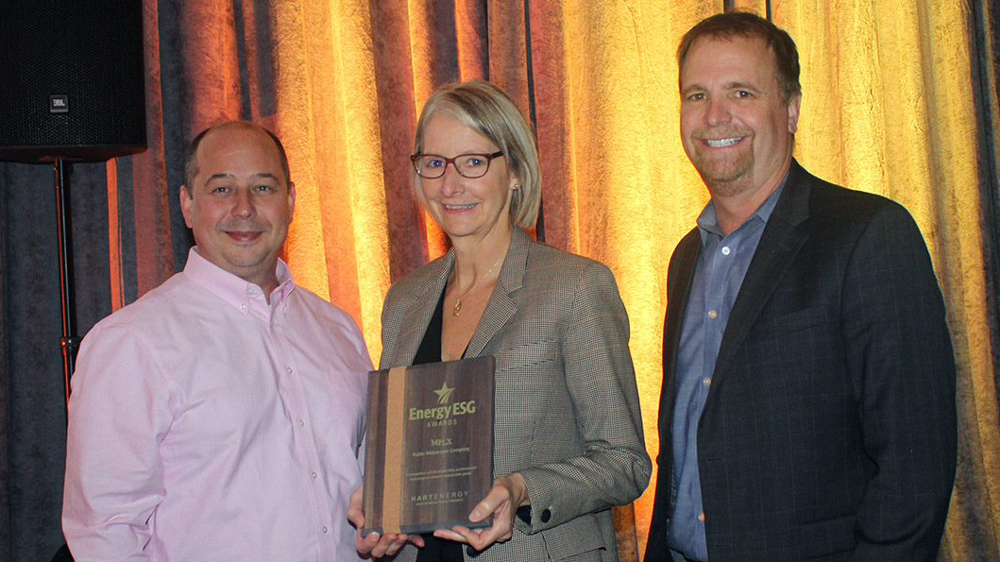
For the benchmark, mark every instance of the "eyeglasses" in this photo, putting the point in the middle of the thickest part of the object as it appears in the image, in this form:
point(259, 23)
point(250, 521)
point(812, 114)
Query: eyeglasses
point(471, 166)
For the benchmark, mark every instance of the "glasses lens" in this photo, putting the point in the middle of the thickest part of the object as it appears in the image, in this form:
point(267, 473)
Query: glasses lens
point(472, 165)
point(430, 166)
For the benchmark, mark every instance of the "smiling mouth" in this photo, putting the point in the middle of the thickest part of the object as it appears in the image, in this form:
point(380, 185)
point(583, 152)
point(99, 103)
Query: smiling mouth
point(722, 143)
point(466, 207)
point(243, 236)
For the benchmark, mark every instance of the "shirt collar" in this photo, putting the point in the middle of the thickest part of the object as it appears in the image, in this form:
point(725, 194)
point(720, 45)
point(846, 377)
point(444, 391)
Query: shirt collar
point(708, 220)
point(243, 295)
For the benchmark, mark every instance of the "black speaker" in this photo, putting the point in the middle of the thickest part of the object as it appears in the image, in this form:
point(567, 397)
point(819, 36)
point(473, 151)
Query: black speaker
point(71, 80)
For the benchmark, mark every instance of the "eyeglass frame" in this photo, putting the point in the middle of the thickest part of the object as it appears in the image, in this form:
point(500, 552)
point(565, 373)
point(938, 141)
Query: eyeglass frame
point(488, 157)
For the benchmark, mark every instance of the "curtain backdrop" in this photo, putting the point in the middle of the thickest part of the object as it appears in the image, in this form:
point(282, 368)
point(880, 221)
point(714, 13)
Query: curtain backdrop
point(899, 98)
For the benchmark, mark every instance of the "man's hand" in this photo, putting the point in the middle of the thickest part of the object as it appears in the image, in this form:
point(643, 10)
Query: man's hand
point(374, 545)
point(506, 495)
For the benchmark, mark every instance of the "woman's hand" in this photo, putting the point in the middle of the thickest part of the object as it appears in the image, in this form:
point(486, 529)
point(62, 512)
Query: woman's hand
point(506, 495)
point(375, 546)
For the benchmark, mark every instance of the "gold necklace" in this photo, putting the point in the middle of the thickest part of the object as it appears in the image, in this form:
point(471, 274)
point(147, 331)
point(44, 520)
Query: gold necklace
point(458, 301)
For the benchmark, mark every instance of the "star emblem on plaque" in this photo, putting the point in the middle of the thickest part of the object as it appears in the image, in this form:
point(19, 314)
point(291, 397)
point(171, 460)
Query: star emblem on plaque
point(444, 393)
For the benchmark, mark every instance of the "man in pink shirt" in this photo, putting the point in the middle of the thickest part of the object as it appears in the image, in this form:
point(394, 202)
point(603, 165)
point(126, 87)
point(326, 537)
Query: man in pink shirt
point(220, 416)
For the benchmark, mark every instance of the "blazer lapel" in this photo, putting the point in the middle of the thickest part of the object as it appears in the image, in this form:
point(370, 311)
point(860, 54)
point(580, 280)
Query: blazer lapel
point(418, 316)
point(679, 280)
point(502, 307)
point(683, 266)
point(779, 243)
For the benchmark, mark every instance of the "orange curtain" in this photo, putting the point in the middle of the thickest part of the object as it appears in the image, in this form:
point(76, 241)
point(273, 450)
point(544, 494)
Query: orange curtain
point(886, 108)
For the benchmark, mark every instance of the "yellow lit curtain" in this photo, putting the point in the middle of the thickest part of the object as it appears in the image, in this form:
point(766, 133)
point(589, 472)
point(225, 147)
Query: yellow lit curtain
point(887, 108)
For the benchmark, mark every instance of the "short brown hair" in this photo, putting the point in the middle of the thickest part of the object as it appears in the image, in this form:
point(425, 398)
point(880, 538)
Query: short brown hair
point(744, 24)
point(487, 110)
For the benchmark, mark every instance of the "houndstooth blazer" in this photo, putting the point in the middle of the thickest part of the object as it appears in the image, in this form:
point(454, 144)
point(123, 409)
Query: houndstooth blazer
point(567, 410)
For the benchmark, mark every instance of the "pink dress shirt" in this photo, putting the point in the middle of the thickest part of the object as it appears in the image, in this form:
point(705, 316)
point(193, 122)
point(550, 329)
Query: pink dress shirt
point(206, 424)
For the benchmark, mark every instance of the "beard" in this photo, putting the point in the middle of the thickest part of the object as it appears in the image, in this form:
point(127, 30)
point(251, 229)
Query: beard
point(725, 174)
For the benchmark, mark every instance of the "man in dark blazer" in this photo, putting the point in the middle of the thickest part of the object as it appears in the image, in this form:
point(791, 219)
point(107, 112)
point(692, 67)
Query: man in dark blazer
point(808, 404)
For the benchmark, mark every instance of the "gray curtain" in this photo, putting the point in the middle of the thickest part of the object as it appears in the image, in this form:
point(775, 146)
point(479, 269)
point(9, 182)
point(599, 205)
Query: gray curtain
point(32, 430)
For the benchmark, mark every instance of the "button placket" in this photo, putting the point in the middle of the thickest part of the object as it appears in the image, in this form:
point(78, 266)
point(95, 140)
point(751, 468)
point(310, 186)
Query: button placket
point(292, 383)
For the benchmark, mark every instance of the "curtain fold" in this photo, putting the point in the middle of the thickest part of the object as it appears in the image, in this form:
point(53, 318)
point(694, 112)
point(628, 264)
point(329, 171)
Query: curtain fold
point(979, 528)
point(894, 96)
point(32, 381)
point(5, 542)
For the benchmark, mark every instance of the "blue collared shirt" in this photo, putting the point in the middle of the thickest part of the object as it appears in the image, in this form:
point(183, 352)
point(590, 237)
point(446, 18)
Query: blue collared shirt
point(718, 275)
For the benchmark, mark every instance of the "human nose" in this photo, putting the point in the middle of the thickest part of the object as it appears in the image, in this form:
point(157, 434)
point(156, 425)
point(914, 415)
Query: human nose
point(451, 180)
point(717, 112)
point(243, 205)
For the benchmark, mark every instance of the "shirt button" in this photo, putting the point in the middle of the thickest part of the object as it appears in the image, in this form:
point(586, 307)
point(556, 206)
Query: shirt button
point(288, 370)
point(313, 475)
point(726, 251)
point(325, 529)
point(706, 381)
point(713, 314)
point(243, 306)
point(302, 423)
point(701, 517)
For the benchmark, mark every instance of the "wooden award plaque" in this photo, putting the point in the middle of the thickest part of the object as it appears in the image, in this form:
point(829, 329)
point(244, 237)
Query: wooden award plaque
point(429, 445)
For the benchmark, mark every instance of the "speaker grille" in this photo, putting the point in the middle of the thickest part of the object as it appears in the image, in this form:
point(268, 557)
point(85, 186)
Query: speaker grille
point(84, 55)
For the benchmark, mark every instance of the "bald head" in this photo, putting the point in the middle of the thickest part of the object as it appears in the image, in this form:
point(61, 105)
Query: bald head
point(191, 160)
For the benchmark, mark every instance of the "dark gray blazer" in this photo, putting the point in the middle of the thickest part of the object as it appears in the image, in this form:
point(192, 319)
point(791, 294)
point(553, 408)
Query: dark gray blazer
point(829, 432)
point(567, 409)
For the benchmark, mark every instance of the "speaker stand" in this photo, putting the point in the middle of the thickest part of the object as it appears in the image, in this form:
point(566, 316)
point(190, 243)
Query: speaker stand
point(69, 342)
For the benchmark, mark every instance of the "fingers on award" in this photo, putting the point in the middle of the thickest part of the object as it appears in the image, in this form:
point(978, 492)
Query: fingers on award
point(430, 445)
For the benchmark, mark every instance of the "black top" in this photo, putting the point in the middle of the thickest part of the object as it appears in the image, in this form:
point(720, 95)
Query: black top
point(430, 347)
point(435, 549)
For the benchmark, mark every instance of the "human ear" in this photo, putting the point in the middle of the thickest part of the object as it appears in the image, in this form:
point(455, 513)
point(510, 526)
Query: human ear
point(794, 105)
point(186, 202)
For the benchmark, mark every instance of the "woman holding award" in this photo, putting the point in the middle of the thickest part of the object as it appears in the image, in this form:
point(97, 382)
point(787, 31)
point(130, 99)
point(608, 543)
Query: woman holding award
point(568, 434)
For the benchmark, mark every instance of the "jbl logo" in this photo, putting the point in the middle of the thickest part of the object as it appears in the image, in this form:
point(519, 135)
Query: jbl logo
point(59, 104)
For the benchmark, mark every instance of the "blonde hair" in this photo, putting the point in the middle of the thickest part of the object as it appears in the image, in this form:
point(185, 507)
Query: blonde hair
point(488, 111)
